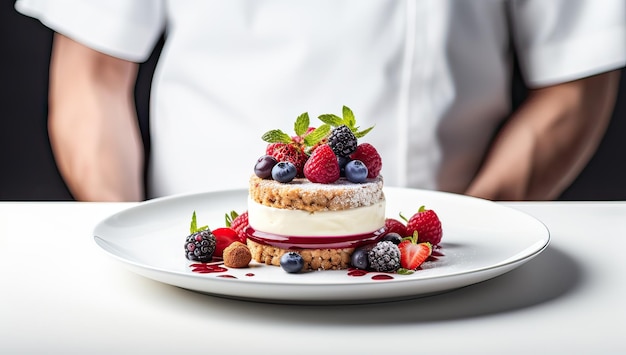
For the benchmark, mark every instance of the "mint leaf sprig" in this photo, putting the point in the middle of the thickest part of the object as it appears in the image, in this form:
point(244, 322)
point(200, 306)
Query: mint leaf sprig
point(348, 119)
point(306, 136)
point(193, 228)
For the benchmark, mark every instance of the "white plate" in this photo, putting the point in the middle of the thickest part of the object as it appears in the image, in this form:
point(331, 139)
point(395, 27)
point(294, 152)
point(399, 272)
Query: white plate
point(482, 240)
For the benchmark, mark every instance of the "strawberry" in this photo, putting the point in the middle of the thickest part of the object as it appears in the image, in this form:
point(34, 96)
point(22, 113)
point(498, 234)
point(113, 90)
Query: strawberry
point(366, 153)
point(427, 224)
point(393, 225)
point(413, 254)
point(288, 152)
point(238, 222)
point(322, 166)
point(224, 237)
point(295, 149)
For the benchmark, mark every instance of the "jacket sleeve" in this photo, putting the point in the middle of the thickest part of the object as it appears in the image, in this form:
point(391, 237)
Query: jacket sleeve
point(127, 29)
point(562, 40)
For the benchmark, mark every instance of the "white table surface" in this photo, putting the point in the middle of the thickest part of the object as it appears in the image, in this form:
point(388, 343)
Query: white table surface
point(60, 293)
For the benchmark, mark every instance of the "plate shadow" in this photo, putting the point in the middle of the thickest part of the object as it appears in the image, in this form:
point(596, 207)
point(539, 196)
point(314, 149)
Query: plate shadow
point(549, 276)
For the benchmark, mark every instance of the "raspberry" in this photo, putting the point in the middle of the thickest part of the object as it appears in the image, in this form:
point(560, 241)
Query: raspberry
point(238, 222)
point(384, 257)
point(322, 167)
point(393, 225)
point(366, 153)
point(342, 141)
point(200, 246)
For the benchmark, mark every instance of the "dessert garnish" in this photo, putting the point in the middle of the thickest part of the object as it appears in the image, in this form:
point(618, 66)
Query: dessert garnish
point(413, 254)
point(322, 167)
point(384, 257)
point(237, 255)
point(292, 262)
point(292, 149)
point(427, 224)
point(200, 243)
point(205, 245)
point(346, 220)
point(237, 222)
point(322, 154)
point(224, 237)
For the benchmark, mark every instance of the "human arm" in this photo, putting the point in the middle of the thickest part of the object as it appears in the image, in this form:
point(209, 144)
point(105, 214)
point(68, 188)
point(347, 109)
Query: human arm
point(92, 123)
point(547, 142)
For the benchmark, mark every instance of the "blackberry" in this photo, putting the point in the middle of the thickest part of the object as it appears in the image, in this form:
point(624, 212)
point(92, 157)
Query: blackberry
point(342, 141)
point(200, 246)
point(342, 161)
point(384, 257)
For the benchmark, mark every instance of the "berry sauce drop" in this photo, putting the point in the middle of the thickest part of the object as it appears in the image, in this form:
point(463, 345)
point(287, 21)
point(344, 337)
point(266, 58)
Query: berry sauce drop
point(207, 268)
point(357, 272)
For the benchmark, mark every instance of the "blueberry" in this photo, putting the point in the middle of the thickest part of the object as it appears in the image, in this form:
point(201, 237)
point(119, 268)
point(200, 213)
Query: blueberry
point(359, 258)
point(393, 237)
point(356, 171)
point(292, 262)
point(264, 165)
point(342, 164)
point(284, 171)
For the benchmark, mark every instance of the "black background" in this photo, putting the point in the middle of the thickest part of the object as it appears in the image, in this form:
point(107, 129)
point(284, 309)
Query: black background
point(28, 171)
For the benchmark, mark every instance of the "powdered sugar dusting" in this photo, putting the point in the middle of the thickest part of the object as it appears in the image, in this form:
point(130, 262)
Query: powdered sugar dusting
point(305, 195)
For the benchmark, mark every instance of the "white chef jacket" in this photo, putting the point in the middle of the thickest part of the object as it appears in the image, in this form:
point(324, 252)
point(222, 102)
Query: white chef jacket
point(432, 76)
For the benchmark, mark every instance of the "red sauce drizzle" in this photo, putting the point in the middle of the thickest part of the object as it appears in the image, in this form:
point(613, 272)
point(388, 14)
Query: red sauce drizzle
point(249, 274)
point(227, 276)
point(382, 277)
point(313, 242)
point(357, 272)
point(207, 268)
point(436, 254)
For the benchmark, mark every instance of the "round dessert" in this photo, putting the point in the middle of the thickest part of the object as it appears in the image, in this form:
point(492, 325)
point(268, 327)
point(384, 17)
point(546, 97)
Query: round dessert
point(325, 220)
point(316, 202)
point(318, 193)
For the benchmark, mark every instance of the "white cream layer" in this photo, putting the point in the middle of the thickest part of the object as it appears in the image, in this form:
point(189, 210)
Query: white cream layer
point(359, 220)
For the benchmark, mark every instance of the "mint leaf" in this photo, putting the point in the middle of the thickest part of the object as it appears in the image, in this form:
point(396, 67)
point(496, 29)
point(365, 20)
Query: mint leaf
point(348, 118)
point(276, 136)
point(317, 135)
point(229, 218)
point(302, 124)
point(194, 225)
point(193, 228)
point(403, 271)
point(361, 134)
point(331, 119)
